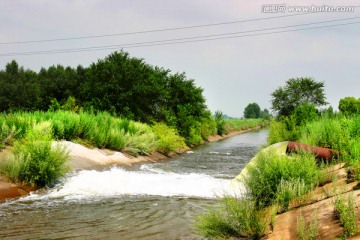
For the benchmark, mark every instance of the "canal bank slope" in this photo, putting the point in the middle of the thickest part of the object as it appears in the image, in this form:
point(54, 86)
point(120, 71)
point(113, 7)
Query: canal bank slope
point(82, 157)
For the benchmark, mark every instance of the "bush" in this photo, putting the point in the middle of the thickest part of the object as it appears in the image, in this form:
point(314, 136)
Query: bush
point(233, 217)
point(169, 139)
point(307, 231)
point(305, 113)
point(345, 212)
point(265, 176)
point(7, 134)
point(283, 129)
point(35, 160)
point(208, 126)
point(289, 190)
point(220, 123)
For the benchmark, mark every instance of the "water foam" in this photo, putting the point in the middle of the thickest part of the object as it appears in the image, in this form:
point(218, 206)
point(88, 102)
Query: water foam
point(117, 181)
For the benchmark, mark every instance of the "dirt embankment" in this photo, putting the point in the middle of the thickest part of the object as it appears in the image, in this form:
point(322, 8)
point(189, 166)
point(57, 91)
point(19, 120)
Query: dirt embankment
point(318, 206)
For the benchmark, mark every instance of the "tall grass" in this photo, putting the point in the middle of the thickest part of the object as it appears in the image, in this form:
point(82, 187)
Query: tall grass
point(345, 212)
point(7, 134)
point(264, 179)
point(35, 159)
point(233, 217)
point(243, 124)
point(100, 130)
point(169, 139)
point(307, 230)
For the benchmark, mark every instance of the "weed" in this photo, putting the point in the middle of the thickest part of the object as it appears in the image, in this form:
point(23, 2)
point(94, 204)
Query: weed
point(264, 177)
point(307, 231)
point(169, 139)
point(36, 160)
point(233, 217)
point(345, 212)
point(289, 190)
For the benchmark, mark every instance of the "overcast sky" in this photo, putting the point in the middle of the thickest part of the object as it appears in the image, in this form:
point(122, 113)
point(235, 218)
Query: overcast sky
point(233, 72)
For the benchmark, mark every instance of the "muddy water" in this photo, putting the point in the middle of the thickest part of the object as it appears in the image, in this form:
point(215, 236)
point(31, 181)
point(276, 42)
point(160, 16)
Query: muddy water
point(149, 201)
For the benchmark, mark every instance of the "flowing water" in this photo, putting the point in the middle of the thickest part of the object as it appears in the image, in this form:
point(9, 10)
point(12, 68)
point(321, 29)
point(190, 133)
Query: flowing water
point(148, 201)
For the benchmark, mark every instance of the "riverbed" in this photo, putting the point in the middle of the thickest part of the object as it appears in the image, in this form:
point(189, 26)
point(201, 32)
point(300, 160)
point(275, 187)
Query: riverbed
point(146, 201)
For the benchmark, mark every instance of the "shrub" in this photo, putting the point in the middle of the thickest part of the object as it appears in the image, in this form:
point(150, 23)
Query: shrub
point(264, 177)
point(195, 135)
point(289, 190)
point(233, 217)
point(284, 129)
point(7, 134)
point(220, 123)
point(345, 212)
point(305, 113)
point(169, 139)
point(35, 160)
point(208, 126)
point(307, 231)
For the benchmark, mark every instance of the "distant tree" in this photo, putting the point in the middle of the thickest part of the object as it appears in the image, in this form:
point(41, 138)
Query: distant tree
point(252, 110)
point(296, 92)
point(349, 105)
point(265, 114)
point(58, 82)
point(220, 123)
point(19, 89)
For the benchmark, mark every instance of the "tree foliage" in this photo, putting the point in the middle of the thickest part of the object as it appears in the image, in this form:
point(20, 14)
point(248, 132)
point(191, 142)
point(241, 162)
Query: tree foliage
point(349, 105)
point(252, 110)
point(119, 84)
point(296, 92)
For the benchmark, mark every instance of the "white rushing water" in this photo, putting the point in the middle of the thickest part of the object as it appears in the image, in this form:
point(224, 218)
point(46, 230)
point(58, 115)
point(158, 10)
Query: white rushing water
point(117, 181)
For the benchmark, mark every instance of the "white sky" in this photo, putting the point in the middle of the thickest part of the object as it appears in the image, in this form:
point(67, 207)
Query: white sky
point(233, 72)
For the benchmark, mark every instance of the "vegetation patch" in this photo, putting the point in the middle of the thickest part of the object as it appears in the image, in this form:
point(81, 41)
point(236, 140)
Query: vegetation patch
point(233, 216)
point(36, 160)
point(307, 230)
point(345, 212)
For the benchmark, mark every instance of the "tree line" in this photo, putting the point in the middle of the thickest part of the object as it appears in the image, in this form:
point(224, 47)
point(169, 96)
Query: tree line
point(119, 84)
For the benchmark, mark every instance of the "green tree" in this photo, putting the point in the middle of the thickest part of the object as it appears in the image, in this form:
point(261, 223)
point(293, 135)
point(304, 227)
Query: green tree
point(349, 105)
point(58, 82)
point(305, 113)
point(19, 88)
point(252, 110)
point(220, 123)
point(264, 114)
point(296, 92)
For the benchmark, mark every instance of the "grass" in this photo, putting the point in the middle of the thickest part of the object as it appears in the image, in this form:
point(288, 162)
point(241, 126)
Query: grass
point(243, 124)
point(169, 139)
point(345, 212)
point(35, 159)
point(100, 130)
point(288, 191)
point(297, 173)
point(307, 230)
point(233, 217)
point(7, 134)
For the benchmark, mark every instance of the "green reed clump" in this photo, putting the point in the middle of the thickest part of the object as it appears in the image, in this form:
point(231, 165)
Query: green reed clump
point(283, 130)
point(36, 160)
point(264, 178)
point(327, 132)
point(7, 134)
point(169, 139)
point(307, 230)
point(233, 217)
point(345, 212)
point(289, 190)
point(100, 130)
